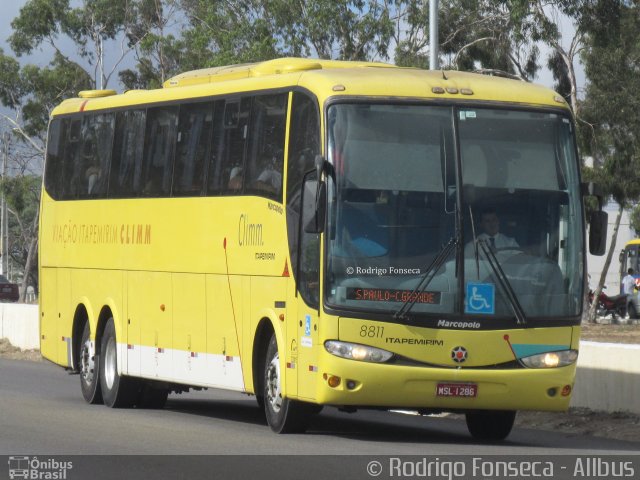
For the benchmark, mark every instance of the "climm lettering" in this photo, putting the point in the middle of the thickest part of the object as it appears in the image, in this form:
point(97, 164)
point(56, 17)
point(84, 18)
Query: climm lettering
point(136, 234)
point(249, 234)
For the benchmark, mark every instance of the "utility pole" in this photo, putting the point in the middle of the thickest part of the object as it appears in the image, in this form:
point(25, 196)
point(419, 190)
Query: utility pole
point(4, 230)
point(433, 35)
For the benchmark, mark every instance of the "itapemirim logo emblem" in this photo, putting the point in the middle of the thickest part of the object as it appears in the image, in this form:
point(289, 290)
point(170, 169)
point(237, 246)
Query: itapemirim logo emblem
point(459, 354)
point(37, 469)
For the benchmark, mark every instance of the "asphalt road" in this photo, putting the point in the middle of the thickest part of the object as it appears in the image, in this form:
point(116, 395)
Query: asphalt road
point(42, 412)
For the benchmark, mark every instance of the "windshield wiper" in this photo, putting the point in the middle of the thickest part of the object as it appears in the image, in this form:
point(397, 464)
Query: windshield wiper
point(475, 242)
point(426, 279)
point(521, 318)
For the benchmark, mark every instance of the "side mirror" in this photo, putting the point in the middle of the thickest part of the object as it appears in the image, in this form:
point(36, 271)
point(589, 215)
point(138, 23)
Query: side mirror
point(314, 205)
point(598, 232)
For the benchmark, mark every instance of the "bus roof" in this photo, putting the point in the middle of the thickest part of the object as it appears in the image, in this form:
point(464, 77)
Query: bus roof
point(326, 78)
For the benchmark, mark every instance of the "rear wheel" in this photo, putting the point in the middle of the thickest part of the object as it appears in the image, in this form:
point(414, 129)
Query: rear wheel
point(283, 415)
point(89, 363)
point(490, 425)
point(117, 391)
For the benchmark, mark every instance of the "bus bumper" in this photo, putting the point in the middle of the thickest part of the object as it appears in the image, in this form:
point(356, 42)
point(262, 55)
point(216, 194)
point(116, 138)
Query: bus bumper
point(393, 386)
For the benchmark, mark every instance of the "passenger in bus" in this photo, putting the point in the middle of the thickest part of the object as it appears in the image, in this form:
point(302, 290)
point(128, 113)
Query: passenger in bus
point(490, 226)
point(270, 179)
point(235, 179)
point(93, 176)
point(93, 172)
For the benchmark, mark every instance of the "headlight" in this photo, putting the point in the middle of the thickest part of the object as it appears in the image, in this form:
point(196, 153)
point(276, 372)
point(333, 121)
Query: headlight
point(551, 359)
point(354, 351)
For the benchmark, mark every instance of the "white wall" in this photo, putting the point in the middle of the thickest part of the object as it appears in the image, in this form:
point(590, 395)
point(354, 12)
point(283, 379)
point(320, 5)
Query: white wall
point(19, 324)
point(608, 377)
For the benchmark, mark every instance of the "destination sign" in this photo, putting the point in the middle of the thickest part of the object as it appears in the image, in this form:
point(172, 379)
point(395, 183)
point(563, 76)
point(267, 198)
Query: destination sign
point(387, 295)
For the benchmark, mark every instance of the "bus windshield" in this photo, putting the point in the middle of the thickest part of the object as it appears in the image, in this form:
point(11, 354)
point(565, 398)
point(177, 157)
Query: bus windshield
point(409, 178)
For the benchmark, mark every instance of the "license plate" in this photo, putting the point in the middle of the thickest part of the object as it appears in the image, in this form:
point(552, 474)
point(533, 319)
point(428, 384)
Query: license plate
point(7, 289)
point(457, 390)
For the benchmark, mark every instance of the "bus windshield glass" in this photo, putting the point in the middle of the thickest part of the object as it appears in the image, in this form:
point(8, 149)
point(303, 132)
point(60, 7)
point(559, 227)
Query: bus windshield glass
point(393, 206)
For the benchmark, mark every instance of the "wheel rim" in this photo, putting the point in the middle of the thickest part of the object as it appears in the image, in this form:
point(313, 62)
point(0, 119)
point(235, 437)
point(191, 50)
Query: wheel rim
point(110, 362)
point(274, 397)
point(87, 363)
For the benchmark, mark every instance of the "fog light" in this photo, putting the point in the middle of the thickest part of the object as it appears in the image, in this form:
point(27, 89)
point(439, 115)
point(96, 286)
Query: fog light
point(566, 391)
point(552, 392)
point(351, 384)
point(333, 381)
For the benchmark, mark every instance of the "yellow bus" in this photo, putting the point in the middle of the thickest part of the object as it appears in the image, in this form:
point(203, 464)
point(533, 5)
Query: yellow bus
point(317, 233)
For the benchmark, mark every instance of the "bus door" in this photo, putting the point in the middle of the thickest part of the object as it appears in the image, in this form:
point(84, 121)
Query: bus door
point(308, 297)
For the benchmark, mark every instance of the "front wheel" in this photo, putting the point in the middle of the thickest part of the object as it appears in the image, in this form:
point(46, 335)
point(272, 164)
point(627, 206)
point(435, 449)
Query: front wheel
point(283, 415)
point(117, 391)
point(490, 425)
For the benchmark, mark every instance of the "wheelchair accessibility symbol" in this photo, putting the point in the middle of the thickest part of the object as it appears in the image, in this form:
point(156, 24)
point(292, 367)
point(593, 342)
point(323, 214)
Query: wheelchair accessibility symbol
point(480, 298)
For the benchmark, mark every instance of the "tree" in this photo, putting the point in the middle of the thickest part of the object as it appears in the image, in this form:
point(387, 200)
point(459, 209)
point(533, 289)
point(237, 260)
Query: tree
point(634, 219)
point(22, 194)
point(344, 29)
point(158, 52)
point(90, 26)
point(612, 107)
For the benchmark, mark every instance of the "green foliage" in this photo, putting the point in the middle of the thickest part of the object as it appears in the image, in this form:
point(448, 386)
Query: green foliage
point(634, 219)
point(22, 194)
point(38, 21)
point(11, 89)
point(611, 106)
point(473, 35)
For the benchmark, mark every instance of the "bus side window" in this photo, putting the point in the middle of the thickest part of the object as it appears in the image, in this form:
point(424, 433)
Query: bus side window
point(192, 144)
point(126, 164)
point(214, 180)
point(71, 152)
point(159, 143)
point(55, 155)
point(266, 151)
point(96, 155)
point(226, 167)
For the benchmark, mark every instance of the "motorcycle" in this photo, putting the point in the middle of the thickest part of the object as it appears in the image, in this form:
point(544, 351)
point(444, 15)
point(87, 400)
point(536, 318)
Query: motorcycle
point(615, 305)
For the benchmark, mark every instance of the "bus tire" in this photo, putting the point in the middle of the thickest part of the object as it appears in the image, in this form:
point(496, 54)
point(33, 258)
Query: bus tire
point(283, 415)
point(152, 398)
point(117, 391)
point(89, 364)
point(490, 425)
